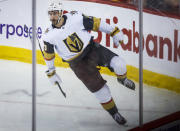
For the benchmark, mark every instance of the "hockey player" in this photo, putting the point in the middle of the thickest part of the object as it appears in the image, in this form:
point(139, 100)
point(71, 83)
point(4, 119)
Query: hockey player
point(69, 35)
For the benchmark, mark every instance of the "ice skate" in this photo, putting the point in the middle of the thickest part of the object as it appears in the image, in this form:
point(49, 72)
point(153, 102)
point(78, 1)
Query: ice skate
point(127, 83)
point(119, 119)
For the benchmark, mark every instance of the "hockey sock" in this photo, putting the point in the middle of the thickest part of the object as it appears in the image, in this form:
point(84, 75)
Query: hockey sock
point(110, 107)
point(118, 65)
point(106, 100)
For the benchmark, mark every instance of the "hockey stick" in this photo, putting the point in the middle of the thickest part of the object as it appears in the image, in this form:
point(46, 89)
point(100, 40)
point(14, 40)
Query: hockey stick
point(26, 30)
point(64, 94)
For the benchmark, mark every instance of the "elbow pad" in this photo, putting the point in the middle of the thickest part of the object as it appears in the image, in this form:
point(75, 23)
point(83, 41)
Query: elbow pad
point(104, 27)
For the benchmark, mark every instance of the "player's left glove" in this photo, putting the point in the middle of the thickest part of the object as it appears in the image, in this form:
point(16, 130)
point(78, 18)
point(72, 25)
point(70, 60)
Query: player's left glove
point(118, 38)
point(53, 76)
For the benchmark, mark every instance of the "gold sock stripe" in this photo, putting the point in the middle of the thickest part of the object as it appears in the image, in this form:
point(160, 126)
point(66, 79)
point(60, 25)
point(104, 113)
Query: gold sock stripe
point(96, 23)
point(109, 105)
point(122, 76)
point(115, 31)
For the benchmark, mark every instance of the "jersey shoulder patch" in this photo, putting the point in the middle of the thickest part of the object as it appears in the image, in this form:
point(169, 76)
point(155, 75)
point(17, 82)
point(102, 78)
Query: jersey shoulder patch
point(73, 12)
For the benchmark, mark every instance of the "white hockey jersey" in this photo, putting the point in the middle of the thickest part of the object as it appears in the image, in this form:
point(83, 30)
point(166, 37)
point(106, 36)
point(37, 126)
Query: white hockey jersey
point(71, 39)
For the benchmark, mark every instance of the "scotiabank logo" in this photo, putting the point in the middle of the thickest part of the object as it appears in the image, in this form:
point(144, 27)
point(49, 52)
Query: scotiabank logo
point(158, 51)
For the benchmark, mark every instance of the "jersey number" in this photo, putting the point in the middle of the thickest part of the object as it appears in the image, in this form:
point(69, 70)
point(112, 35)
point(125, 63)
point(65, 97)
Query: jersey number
point(74, 43)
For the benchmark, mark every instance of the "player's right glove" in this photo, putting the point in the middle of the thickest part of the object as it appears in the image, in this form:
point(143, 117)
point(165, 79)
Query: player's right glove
point(53, 76)
point(118, 38)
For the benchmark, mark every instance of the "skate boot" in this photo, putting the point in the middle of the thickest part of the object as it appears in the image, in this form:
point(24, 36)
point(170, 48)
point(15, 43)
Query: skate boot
point(119, 119)
point(127, 83)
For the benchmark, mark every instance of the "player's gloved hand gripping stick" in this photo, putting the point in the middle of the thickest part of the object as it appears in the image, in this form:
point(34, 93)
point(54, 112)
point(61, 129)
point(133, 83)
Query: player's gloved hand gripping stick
point(53, 77)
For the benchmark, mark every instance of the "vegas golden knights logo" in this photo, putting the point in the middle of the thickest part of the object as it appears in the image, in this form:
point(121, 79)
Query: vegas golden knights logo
point(74, 43)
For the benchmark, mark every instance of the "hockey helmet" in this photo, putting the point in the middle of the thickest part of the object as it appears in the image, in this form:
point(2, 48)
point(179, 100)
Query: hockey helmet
point(55, 5)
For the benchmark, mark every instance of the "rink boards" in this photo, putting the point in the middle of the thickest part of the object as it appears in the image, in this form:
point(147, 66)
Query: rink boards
point(161, 38)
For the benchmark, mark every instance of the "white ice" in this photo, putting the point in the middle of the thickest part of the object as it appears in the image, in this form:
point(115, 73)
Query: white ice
point(80, 111)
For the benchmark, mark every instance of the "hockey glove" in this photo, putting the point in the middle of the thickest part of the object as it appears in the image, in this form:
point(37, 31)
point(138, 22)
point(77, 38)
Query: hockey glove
point(118, 38)
point(53, 77)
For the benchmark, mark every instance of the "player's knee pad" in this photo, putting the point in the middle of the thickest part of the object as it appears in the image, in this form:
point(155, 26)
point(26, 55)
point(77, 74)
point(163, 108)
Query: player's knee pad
point(119, 65)
point(103, 95)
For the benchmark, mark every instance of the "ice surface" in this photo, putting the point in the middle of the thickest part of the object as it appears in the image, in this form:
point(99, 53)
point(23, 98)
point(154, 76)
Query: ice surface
point(80, 111)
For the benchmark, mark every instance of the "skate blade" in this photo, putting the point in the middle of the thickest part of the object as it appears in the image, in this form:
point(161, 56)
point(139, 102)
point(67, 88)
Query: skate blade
point(124, 125)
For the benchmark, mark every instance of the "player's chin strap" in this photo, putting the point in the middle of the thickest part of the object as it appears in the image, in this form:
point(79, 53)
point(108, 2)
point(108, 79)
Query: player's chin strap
point(60, 16)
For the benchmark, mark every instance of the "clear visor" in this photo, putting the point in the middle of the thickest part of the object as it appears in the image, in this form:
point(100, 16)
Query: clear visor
point(54, 13)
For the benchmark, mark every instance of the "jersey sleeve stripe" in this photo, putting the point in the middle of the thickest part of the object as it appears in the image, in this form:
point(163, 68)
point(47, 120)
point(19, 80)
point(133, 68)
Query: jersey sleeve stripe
point(96, 23)
point(115, 31)
point(49, 56)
